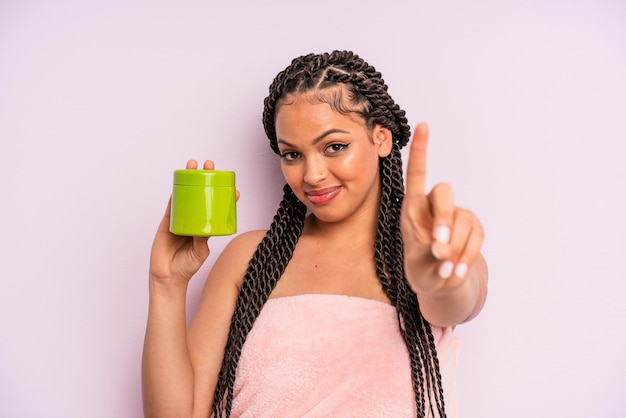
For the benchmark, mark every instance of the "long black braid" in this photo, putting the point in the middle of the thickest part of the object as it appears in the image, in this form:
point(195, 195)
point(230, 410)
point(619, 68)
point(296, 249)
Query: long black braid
point(322, 74)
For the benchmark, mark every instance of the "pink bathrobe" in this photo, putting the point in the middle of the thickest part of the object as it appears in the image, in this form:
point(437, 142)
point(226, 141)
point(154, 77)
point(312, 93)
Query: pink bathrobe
point(332, 355)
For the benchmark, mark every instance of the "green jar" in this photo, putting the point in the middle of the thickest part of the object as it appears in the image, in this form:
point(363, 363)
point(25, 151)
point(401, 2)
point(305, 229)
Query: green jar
point(203, 203)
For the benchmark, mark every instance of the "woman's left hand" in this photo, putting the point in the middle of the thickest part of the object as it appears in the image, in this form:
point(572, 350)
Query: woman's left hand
point(441, 241)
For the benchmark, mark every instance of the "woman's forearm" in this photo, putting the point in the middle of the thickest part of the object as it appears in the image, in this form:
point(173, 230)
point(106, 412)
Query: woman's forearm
point(167, 374)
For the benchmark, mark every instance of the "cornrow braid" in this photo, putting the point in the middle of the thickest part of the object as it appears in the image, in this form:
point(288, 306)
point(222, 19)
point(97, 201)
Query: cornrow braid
point(328, 76)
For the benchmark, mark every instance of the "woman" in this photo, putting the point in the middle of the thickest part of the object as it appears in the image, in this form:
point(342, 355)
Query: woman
point(346, 305)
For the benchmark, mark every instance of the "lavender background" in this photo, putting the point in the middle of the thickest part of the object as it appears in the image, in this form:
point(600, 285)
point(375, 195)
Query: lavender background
point(101, 101)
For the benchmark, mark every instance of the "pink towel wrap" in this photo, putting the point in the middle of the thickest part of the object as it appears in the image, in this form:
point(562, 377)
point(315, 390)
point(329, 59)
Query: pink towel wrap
point(332, 355)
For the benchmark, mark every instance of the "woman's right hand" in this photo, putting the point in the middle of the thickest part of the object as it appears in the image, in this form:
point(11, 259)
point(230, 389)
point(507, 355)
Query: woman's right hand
point(175, 259)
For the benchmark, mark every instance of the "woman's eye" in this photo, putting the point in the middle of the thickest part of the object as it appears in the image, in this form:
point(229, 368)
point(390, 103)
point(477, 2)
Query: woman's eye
point(289, 156)
point(335, 148)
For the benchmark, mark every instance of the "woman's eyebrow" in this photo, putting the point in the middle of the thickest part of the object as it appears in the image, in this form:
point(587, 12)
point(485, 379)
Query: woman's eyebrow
point(319, 138)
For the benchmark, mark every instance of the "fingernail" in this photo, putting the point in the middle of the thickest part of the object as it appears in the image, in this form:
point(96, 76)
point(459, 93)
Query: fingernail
point(434, 251)
point(461, 270)
point(442, 234)
point(445, 270)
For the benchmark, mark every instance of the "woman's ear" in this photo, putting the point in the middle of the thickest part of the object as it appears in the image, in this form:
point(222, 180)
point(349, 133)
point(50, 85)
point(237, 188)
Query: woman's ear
point(383, 139)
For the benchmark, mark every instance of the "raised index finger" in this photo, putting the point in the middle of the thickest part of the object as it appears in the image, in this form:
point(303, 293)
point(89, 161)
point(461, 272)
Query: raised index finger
point(416, 166)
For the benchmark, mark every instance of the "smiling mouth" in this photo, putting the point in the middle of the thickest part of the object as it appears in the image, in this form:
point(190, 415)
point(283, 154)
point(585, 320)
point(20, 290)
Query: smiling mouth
point(322, 196)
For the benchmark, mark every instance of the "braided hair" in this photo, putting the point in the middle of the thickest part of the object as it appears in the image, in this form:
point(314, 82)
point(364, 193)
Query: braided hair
point(326, 76)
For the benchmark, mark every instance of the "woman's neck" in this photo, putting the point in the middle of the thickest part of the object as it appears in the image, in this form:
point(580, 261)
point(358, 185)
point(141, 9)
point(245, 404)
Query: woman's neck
point(357, 229)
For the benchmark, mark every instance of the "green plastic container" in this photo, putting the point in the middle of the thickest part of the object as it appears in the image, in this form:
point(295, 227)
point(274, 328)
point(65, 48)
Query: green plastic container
point(203, 203)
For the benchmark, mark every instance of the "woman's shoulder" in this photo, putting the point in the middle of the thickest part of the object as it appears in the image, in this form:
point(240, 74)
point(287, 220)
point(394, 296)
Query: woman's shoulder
point(242, 246)
point(248, 240)
point(232, 263)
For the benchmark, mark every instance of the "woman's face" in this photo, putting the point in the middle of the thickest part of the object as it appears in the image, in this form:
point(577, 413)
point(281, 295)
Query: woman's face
point(330, 160)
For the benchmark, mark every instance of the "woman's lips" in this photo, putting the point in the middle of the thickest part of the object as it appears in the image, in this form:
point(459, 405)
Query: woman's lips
point(321, 196)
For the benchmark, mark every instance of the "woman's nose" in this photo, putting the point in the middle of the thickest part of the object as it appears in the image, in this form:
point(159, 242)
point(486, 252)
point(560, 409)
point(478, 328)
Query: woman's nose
point(315, 171)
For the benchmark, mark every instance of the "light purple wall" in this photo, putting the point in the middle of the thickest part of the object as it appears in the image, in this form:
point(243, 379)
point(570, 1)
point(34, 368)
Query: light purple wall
point(101, 101)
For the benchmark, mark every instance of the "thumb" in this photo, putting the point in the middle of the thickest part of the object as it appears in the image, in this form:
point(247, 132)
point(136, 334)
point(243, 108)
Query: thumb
point(200, 248)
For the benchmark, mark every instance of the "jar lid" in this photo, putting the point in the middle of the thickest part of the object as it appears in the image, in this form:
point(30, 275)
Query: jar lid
point(204, 178)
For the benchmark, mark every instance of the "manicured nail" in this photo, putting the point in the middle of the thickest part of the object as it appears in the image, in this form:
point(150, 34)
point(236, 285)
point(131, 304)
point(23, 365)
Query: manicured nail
point(445, 270)
point(461, 270)
point(442, 234)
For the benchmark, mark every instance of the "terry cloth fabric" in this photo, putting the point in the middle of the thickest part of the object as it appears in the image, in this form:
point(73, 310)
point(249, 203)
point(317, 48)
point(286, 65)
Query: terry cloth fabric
point(333, 355)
